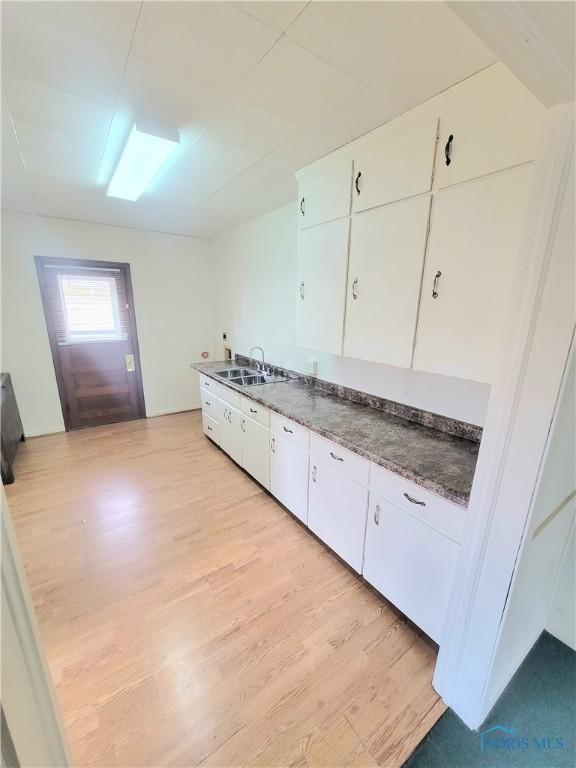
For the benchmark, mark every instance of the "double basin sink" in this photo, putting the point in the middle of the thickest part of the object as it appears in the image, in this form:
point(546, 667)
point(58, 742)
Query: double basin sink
point(248, 377)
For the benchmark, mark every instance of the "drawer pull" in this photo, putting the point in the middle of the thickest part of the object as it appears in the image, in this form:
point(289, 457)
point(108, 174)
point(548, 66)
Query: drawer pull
point(377, 514)
point(336, 458)
point(290, 431)
point(414, 501)
point(253, 410)
point(314, 470)
point(207, 402)
point(206, 383)
point(209, 428)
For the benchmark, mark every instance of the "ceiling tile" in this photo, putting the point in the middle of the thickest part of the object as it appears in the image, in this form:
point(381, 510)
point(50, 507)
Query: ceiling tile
point(152, 91)
point(294, 84)
point(261, 188)
point(278, 15)
point(303, 148)
point(52, 109)
point(16, 189)
point(245, 126)
point(111, 22)
point(41, 51)
point(407, 50)
point(199, 171)
point(211, 43)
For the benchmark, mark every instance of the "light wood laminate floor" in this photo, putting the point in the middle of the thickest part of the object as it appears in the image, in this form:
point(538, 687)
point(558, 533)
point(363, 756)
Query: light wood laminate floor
point(189, 620)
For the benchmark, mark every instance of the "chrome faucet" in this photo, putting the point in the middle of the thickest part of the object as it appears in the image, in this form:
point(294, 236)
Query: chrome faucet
point(263, 365)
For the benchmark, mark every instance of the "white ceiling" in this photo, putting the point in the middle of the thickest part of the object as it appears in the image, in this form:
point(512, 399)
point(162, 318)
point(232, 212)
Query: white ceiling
point(257, 90)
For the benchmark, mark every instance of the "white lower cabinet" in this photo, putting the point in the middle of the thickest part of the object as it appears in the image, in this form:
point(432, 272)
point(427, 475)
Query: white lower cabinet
point(256, 450)
point(411, 564)
point(337, 512)
point(289, 475)
point(231, 432)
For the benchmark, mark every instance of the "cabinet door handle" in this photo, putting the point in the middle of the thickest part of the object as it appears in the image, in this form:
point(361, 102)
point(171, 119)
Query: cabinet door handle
point(448, 149)
point(314, 470)
point(354, 288)
point(209, 428)
point(302, 291)
point(377, 514)
point(356, 182)
point(302, 207)
point(336, 458)
point(225, 414)
point(287, 430)
point(206, 383)
point(414, 501)
point(253, 410)
point(273, 446)
point(243, 425)
point(207, 402)
point(437, 277)
point(229, 417)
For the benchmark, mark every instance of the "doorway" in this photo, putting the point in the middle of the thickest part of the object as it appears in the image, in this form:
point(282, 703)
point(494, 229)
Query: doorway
point(89, 311)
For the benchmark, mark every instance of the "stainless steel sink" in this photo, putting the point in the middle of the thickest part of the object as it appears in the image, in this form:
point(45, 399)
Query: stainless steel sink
point(234, 373)
point(248, 377)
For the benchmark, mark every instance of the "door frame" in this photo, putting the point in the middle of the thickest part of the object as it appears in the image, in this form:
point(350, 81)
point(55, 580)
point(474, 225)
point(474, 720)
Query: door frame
point(87, 263)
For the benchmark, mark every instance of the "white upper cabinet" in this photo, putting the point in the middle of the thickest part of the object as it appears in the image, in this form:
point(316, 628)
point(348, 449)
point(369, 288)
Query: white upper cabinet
point(324, 193)
point(499, 130)
point(387, 249)
point(322, 266)
point(401, 167)
point(469, 274)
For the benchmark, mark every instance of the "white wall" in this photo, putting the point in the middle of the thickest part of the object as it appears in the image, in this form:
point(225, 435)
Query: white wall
point(172, 297)
point(255, 294)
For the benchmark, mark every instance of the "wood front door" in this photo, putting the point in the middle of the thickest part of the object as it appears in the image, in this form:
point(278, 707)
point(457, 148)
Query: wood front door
point(89, 312)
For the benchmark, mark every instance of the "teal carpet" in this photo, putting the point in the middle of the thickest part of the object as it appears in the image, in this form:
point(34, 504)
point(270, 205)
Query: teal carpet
point(533, 724)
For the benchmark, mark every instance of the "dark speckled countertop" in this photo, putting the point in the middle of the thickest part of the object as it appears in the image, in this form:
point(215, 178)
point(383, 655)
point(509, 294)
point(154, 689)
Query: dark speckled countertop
point(436, 460)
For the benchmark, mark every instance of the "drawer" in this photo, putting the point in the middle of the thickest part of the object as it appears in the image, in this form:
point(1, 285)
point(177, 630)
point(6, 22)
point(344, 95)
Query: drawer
point(207, 384)
point(254, 411)
point(211, 404)
point(229, 396)
point(340, 459)
point(210, 428)
point(438, 513)
point(290, 431)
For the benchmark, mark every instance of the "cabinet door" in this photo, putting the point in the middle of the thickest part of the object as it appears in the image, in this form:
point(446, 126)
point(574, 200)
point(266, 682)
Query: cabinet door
point(256, 450)
point(469, 274)
point(497, 131)
point(231, 432)
point(289, 476)
point(387, 247)
point(400, 168)
point(324, 193)
point(337, 512)
point(322, 266)
point(410, 564)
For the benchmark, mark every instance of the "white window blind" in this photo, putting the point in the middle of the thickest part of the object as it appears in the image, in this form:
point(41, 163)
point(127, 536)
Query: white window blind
point(86, 304)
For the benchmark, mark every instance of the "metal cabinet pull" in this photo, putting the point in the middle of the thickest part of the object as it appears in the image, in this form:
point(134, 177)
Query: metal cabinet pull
point(290, 431)
point(302, 206)
point(206, 383)
point(243, 425)
point(253, 410)
point(314, 470)
point(207, 402)
point(414, 501)
point(356, 180)
point(437, 277)
point(448, 150)
point(273, 445)
point(302, 290)
point(336, 458)
point(377, 514)
point(229, 417)
point(209, 428)
point(354, 288)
